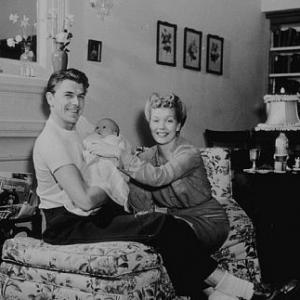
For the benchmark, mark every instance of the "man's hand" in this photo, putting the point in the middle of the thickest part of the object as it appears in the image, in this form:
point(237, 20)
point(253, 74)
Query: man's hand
point(105, 150)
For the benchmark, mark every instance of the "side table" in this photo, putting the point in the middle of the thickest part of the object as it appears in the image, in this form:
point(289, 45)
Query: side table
point(272, 201)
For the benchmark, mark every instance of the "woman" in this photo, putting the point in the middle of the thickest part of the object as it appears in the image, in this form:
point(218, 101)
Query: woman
point(170, 177)
point(174, 175)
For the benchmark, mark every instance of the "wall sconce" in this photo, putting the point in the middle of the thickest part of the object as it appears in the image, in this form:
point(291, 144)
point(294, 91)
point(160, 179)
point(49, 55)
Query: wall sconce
point(103, 7)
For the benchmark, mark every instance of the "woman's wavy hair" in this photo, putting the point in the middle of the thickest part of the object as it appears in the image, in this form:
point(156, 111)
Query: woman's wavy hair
point(169, 101)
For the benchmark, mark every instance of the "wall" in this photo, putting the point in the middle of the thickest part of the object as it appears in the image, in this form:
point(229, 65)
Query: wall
point(21, 119)
point(275, 5)
point(128, 73)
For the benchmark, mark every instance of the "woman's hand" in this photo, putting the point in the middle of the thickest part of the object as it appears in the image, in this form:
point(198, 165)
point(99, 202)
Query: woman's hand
point(163, 210)
point(143, 212)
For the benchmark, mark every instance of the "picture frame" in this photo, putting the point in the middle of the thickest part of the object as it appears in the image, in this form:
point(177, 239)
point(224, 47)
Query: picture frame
point(94, 50)
point(214, 54)
point(192, 46)
point(166, 43)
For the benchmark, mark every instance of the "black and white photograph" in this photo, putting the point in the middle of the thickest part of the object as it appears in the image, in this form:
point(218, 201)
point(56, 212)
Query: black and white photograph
point(94, 50)
point(192, 49)
point(214, 54)
point(149, 150)
point(166, 43)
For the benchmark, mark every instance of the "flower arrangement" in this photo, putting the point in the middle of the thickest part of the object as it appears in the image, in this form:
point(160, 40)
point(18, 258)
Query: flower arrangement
point(63, 38)
point(24, 38)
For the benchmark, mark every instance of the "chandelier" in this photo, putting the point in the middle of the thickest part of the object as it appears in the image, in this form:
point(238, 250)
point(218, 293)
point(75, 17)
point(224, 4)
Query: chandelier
point(103, 7)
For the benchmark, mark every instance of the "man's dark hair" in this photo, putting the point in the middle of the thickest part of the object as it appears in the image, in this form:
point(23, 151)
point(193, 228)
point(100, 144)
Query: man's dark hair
point(69, 74)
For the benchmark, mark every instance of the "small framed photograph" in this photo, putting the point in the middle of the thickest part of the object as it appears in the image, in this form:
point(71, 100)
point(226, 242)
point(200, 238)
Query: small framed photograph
point(192, 49)
point(166, 43)
point(214, 54)
point(94, 50)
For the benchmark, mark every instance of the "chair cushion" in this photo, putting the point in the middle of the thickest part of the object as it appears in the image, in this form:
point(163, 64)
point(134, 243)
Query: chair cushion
point(217, 163)
point(110, 259)
point(25, 282)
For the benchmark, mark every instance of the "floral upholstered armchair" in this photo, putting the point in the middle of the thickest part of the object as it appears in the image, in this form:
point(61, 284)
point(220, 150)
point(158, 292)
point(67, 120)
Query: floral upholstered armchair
point(238, 254)
point(32, 269)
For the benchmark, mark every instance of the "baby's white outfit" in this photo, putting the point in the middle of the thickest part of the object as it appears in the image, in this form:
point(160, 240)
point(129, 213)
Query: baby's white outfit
point(102, 171)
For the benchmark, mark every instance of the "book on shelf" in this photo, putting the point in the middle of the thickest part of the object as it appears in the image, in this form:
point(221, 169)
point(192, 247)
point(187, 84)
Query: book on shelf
point(295, 63)
point(290, 36)
point(280, 64)
point(276, 37)
point(286, 37)
point(296, 38)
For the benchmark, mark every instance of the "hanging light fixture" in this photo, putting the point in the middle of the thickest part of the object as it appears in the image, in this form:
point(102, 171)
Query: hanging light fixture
point(103, 7)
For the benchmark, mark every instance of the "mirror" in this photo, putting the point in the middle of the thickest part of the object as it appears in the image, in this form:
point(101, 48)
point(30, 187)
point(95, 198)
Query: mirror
point(18, 20)
point(48, 15)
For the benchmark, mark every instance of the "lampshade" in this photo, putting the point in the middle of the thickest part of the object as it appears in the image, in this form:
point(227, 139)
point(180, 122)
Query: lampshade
point(282, 112)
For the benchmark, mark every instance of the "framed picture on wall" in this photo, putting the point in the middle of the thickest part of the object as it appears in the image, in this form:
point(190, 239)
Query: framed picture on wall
point(214, 54)
point(166, 43)
point(94, 50)
point(192, 49)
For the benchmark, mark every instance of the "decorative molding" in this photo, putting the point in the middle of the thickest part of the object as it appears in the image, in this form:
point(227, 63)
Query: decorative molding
point(13, 158)
point(284, 16)
point(22, 129)
point(22, 118)
point(18, 84)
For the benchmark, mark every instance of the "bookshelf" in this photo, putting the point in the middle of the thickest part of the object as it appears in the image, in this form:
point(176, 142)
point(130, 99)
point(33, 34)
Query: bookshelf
point(284, 52)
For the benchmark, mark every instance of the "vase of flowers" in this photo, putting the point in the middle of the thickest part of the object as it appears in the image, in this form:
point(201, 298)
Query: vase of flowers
point(62, 40)
point(23, 42)
point(59, 58)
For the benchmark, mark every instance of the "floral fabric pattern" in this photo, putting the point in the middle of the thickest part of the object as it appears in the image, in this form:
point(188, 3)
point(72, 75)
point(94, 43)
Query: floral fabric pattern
point(238, 254)
point(110, 259)
point(24, 281)
point(33, 269)
point(217, 164)
point(107, 270)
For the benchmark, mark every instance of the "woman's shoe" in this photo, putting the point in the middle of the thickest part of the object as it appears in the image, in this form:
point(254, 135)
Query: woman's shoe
point(289, 291)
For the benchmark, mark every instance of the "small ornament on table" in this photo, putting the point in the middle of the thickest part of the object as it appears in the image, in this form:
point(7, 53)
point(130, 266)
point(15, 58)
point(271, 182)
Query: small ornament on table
point(281, 153)
point(297, 163)
point(254, 156)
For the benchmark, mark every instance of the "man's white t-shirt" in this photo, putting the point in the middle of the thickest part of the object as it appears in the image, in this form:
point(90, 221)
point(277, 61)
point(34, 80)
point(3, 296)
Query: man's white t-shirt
point(55, 147)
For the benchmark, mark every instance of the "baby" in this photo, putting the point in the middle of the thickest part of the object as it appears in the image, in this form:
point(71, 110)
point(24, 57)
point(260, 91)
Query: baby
point(103, 171)
point(107, 138)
